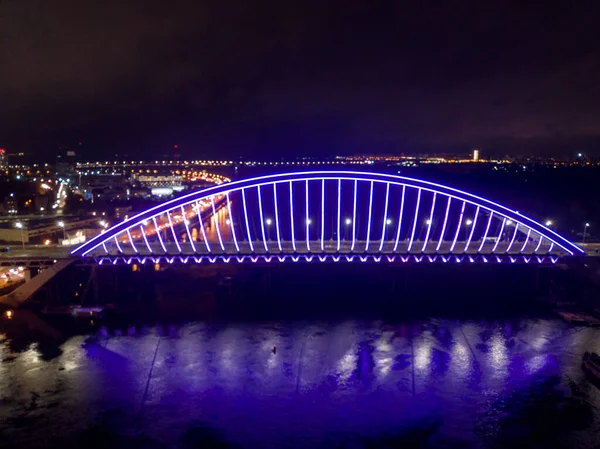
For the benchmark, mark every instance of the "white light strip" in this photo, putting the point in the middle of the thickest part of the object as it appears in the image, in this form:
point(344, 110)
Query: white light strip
point(430, 224)
point(539, 243)
point(400, 218)
point(131, 241)
point(235, 242)
point(354, 216)
point(339, 211)
point(145, 239)
point(307, 220)
point(526, 240)
point(414, 228)
point(201, 222)
point(499, 235)
point(276, 216)
point(487, 228)
point(350, 175)
point(158, 234)
point(173, 231)
point(246, 219)
point(551, 246)
point(187, 228)
point(322, 214)
point(216, 222)
point(118, 244)
point(441, 239)
point(262, 220)
point(369, 217)
point(472, 230)
point(385, 217)
point(292, 215)
point(460, 220)
point(513, 237)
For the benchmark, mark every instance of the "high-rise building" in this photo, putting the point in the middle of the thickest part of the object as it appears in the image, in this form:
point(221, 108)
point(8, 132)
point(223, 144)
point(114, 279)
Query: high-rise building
point(476, 155)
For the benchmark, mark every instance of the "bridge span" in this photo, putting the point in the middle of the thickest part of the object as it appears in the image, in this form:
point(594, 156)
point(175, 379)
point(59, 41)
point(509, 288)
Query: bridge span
point(329, 216)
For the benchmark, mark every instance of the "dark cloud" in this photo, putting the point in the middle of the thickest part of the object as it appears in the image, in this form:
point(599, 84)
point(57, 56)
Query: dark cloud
point(286, 77)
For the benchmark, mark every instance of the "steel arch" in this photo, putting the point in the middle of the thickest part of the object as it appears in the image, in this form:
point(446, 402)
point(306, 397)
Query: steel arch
point(413, 216)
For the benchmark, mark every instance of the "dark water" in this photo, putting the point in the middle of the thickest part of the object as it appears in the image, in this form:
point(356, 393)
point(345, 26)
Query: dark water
point(515, 382)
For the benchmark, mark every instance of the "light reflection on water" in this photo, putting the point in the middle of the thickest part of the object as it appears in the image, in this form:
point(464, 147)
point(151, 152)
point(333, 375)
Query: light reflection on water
point(329, 382)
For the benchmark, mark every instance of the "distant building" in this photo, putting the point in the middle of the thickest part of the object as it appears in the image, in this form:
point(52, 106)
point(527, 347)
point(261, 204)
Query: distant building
point(476, 155)
point(66, 164)
point(3, 159)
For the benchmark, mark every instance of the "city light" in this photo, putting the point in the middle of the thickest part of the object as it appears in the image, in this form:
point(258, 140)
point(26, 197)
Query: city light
point(268, 221)
point(348, 221)
point(469, 222)
point(61, 224)
point(389, 221)
point(227, 221)
point(19, 225)
point(308, 221)
point(548, 223)
point(47, 242)
point(428, 221)
point(9, 314)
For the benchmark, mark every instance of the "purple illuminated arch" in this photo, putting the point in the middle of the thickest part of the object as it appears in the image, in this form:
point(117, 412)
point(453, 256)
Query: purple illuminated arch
point(333, 216)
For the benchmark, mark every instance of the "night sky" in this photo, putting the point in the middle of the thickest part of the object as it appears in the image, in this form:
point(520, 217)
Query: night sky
point(283, 78)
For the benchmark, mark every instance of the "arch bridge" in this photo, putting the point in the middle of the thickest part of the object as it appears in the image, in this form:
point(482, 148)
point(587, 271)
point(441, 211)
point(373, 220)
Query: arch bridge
point(335, 216)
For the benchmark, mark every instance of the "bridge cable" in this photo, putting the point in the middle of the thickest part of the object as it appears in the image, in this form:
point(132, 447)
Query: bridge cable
point(472, 230)
point(512, 240)
point(131, 241)
point(526, 240)
point(460, 220)
point(292, 215)
point(385, 216)
point(499, 235)
point(158, 234)
point(276, 216)
point(400, 218)
point(339, 211)
point(216, 222)
point(187, 229)
point(246, 219)
point(441, 239)
point(199, 212)
point(323, 215)
point(354, 216)
point(307, 220)
point(412, 234)
point(369, 217)
point(142, 230)
point(173, 231)
point(237, 247)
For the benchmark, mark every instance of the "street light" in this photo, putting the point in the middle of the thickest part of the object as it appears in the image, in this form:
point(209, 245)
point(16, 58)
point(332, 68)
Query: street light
point(19, 225)
point(469, 222)
point(388, 221)
point(587, 225)
point(348, 221)
point(548, 222)
point(268, 221)
point(61, 224)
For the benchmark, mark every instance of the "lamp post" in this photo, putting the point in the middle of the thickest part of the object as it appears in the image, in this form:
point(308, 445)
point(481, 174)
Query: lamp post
point(61, 224)
point(19, 225)
point(585, 226)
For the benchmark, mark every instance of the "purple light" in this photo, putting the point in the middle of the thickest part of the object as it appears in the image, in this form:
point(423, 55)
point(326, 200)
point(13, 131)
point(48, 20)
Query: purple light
point(526, 240)
point(397, 180)
point(118, 245)
point(276, 206)
point(339, 211)
point(512, 240)
point(550, 248)
point(412, 234)
point(201, 223)
point(262, 221)
point(487, 228)
point(131, 241)
point(369, 217)
point(307, 220)
point(323, 214)
point(187, 229)
point(429, 224)
point(173, 231)
point(246, 220)
point(292, 215)
point(472, 230)
point(237, 247)
point(499, 235)
point(400, 218)
point(145, 239)
point(385, 213)
point(437, 248)
point(539, 243)
point(460, 220)
point(105, 248)
point(215, 218)
point(354, 217)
